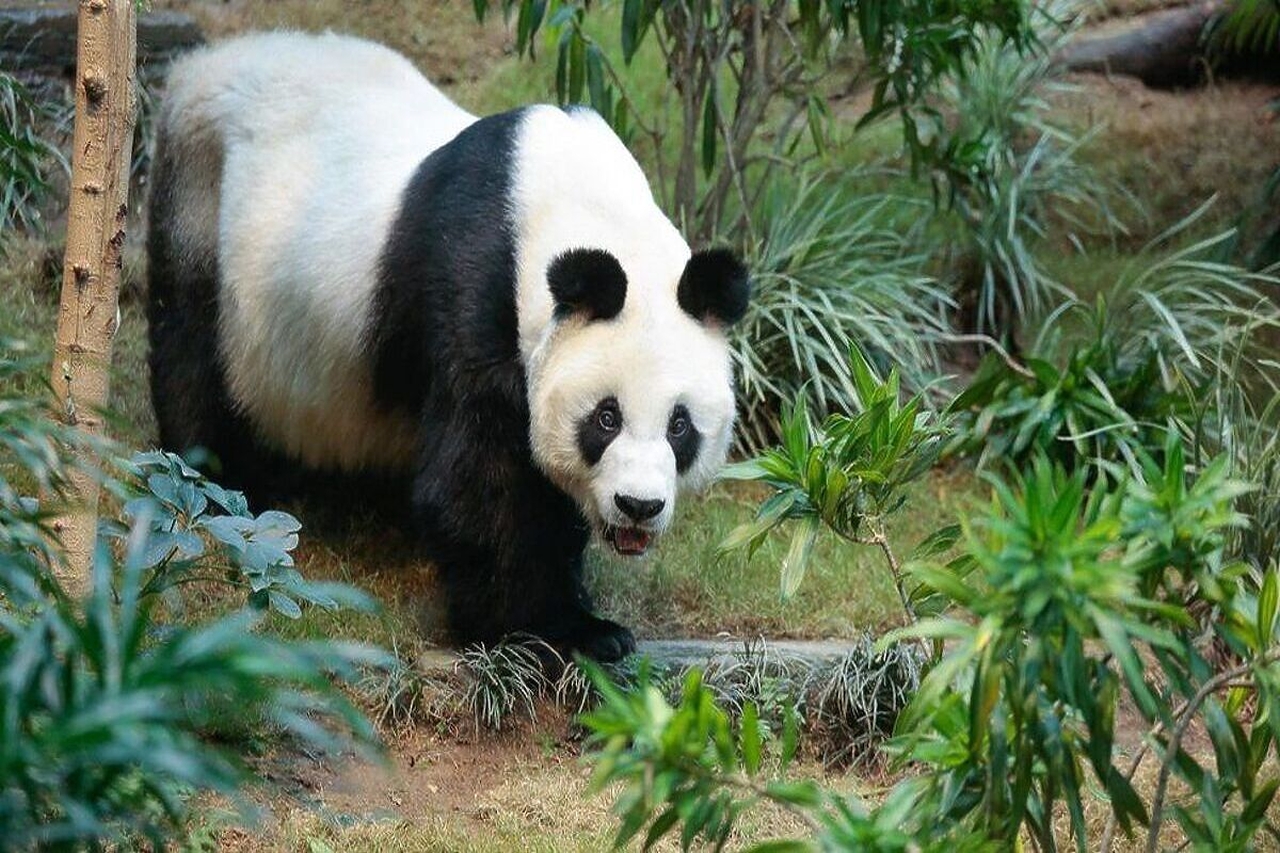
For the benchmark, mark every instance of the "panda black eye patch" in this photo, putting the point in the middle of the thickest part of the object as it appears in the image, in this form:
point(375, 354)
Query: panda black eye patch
point(598, 430)
point(683, 437)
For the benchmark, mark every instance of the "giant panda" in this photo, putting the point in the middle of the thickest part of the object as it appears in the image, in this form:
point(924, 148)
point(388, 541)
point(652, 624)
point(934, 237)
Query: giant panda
point(488, 318)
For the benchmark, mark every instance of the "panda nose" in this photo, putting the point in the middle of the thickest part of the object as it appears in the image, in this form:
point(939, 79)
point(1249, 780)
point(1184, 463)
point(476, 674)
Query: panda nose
point(639, 509)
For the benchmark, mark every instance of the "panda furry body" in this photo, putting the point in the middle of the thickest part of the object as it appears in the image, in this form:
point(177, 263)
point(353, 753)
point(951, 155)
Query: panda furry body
point(354, 279)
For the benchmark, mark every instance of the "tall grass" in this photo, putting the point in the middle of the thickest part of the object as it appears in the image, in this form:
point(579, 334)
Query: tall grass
point(1197, 315)
point(1018, 182)
point(26, 157)
point(831, 269)
point(1243, 424)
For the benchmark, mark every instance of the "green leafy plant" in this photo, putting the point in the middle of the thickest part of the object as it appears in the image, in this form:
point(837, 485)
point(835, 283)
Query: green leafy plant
point(686, 767)
point(1175, 330)
point(1181, 304)
point(848, 474)
point(1015, 179)
point(26, 157)
point(830, 268)
point(1250, 435)
point(1094, 408)
point(854, 705)
point(102, 722)
point(105, 702)
point(735, 66)
point(1071, 596)
point(182, 509)
point(504, 680)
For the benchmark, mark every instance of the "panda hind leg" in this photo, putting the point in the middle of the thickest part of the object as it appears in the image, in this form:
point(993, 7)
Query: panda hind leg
point(193, 408)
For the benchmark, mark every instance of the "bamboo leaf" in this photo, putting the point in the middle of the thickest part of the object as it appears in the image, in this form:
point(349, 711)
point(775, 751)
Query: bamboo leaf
point(797, 559)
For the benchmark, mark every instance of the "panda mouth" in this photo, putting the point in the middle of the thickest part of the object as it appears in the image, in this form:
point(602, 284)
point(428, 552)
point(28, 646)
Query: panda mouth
point(631, 541)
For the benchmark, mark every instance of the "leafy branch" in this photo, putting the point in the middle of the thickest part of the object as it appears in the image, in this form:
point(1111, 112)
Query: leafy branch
point(848, 476)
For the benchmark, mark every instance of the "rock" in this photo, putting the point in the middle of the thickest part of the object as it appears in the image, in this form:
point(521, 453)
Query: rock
point(43, 39)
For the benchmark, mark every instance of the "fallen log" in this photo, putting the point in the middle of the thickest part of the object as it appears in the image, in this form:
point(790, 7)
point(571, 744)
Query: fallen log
point(800, 656)
point(1164, 50)
point(43, 39)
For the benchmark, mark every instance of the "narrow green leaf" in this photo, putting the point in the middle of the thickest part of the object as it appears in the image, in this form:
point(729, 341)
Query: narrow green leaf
point(790, 735)
point(630, 28)
point(596, 89)
point(1256, 809)
point(751, 750)
point(710, 131)
point(661, 826)
point(938, 542)
point(798, 555)
point(577, 67)
point(1268, 599)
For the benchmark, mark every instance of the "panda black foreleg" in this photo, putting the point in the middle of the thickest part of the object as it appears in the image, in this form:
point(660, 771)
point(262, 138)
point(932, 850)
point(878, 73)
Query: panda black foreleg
point(488, 601)
point(508, 546)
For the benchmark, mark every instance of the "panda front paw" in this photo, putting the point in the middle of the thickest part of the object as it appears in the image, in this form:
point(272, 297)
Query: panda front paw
point(602, 639)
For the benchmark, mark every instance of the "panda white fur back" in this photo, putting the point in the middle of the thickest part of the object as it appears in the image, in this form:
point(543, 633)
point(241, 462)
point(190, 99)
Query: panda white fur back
point(315, 139)
point(355, 278)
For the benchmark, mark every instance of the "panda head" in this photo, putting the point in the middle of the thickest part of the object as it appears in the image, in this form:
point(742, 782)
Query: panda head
point(631, 388)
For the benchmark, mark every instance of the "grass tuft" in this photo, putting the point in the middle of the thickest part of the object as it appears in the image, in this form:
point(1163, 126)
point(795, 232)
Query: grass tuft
point(503, 680)
point(855, 704)
point(27, 158)
point(832, 267)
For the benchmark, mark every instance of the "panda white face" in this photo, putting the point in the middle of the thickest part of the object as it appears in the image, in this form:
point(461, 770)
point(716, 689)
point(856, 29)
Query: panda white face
point(631, 395)
point(621, 330)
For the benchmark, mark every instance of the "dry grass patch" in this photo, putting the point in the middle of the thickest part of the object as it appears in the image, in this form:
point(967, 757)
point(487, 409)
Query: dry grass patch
point(1175, 150)
point(442, 37)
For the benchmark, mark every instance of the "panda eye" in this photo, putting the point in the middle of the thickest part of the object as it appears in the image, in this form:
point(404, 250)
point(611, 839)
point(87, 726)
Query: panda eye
point(679, 425)
point(608, 419)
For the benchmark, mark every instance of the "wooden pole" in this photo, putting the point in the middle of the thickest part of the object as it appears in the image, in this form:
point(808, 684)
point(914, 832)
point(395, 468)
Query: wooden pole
point(87, 313)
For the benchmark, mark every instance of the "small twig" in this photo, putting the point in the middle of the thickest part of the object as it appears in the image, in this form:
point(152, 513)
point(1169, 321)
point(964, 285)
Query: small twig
point(1189, 711)
point(1144, 748)
point(879, 540)
point(1014, 364)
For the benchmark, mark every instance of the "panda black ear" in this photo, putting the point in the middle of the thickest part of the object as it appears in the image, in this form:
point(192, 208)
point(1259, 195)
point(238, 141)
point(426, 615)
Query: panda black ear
point(588, 282)
point(715, 286)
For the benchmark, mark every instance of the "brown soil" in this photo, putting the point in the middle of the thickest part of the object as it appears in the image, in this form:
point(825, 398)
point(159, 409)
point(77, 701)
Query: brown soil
point(424, 776)
point(441, 36)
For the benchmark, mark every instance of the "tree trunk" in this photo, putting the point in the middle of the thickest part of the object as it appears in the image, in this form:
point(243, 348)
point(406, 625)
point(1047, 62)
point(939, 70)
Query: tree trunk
point(87, 314)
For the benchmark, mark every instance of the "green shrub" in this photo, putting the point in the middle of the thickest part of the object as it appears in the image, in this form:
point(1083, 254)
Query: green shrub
point(1102, 379)
point(1093, 409)
point(848, 474)
point(1065, 599)
point(105, 702)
